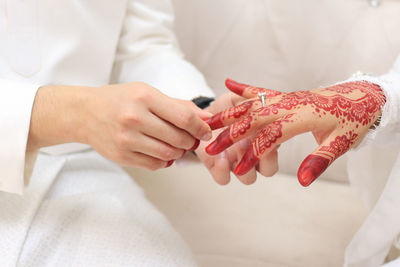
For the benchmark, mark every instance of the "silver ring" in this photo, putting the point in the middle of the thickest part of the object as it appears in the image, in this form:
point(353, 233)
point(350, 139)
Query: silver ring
point(262, 95)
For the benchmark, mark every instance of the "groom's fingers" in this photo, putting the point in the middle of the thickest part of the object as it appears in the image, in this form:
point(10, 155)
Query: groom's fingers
point(248, 91)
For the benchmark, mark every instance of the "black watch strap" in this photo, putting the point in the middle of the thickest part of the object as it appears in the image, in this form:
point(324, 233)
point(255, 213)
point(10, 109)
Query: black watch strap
point(202, 101)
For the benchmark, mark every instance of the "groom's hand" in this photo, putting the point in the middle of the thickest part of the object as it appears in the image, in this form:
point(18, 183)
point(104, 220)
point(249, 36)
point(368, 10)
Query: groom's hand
point(132, 124)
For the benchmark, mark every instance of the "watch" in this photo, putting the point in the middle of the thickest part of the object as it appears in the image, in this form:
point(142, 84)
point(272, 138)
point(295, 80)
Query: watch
point(202, 101)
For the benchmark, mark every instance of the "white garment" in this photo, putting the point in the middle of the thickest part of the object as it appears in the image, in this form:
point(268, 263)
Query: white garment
point(92, 214)
point(79, 209)
point(88, 43)
point(395, 263)
point(378, 233)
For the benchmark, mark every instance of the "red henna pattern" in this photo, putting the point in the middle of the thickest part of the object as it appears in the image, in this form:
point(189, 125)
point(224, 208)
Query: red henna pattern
point(268, 93)
point(269, 135)
point(217, 121)
point(237, 111)
point(339, 146)
point(315, 164)
point(362, 110)
point(343, 88)
point(241, 127)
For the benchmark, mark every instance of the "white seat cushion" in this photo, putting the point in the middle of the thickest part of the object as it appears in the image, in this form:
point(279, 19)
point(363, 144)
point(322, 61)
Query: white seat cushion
point(275, 222)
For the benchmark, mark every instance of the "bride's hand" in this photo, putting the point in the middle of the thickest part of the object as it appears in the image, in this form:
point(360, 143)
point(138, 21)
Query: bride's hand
point(220, 166)
point(339, 116)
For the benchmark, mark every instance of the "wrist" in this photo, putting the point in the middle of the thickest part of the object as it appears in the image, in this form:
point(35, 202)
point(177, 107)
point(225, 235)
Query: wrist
point(57, 116)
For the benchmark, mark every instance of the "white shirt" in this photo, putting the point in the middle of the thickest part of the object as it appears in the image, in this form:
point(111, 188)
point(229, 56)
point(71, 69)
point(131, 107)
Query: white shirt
point(88, 43)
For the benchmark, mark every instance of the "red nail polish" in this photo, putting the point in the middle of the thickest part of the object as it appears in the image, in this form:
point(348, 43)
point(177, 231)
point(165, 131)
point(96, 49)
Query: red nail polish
point(215, 122)
point(222, 142)
point(169, 163)
point(235, 87)
point(195, 146)
point(311, 168)
point(248, 161)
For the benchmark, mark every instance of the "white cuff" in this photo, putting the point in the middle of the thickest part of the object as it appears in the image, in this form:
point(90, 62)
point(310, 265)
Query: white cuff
point(16, 102)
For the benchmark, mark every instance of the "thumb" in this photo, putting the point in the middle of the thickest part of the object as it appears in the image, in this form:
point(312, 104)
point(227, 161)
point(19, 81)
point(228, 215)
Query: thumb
point(248, 91)
point(317, 162)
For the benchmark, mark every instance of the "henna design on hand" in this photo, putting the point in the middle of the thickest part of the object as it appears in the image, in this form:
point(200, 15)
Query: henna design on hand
point(267, 138)
point(338, 147)
point(236, 112)
point(352, 106)
point(315, 164)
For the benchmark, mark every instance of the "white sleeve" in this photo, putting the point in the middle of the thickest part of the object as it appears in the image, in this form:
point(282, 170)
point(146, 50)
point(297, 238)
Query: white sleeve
point(16, 102)
point(374, 174)
point(148, 52)
point(388, 131)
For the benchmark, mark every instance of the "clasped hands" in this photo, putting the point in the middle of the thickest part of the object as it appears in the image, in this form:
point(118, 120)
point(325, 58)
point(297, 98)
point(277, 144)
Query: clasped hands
point(136, 125)
point(338, 116)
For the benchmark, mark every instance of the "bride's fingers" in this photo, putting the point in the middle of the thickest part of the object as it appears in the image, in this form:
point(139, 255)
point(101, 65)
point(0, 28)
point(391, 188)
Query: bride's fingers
point(232, 114)
point(317, 162)
point(241, 147)
point(245, 127)
point(271, 136)
point(248, 91)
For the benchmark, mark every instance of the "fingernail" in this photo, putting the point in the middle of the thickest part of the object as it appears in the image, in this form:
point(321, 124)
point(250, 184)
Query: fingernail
point(169, 163)
point(215, 122)
point(196, 145)
point(311, 168)
point(222, 142)
point(248, 161)
point(207, 136)
point(234, 86)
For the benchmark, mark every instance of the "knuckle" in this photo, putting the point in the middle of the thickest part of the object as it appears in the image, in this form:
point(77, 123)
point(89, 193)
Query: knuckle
point(143, 92)
point(185, 119)
point(129, 117)
point(141, 95)
point(122, 140)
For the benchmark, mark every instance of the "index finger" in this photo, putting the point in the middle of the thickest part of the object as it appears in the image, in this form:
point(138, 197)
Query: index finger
point(180, 116)
point(248, 91)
